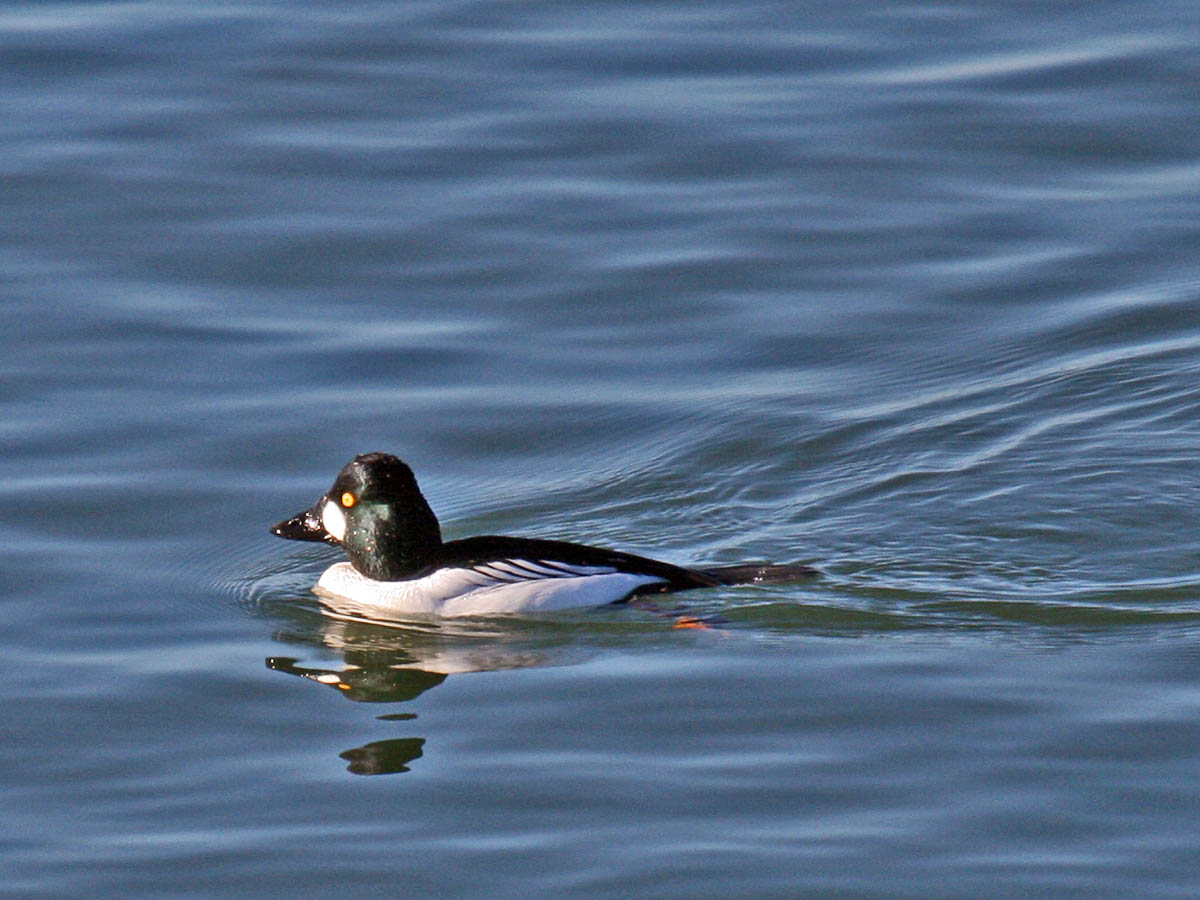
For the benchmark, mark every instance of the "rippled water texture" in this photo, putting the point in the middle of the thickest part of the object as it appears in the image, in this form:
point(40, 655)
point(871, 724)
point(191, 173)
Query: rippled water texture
point(905, 291)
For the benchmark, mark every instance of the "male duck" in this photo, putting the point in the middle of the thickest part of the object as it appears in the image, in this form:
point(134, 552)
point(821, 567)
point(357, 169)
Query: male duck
point(399, 564)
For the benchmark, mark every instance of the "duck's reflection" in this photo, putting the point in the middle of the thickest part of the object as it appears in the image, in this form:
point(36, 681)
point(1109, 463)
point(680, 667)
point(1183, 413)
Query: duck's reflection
point(369, 678)
point(383, 757)
point(396, 664)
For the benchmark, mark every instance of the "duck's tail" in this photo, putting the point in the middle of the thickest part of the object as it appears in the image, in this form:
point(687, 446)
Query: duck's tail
point(752, 573)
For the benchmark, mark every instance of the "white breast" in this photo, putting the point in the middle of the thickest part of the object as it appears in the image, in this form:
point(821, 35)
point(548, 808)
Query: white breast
point(504, 586)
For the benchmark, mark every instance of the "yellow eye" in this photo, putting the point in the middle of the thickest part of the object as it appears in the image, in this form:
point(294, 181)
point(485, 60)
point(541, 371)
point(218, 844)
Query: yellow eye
point(348, 499)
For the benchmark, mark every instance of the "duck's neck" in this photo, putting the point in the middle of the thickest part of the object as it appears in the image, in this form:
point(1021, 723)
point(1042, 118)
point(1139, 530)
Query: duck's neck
point(390, 546)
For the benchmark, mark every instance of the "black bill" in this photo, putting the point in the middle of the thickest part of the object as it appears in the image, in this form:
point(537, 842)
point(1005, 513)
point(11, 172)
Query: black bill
point(305, 526)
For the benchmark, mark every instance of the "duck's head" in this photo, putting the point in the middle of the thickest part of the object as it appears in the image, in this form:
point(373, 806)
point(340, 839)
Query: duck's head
point(375, 511)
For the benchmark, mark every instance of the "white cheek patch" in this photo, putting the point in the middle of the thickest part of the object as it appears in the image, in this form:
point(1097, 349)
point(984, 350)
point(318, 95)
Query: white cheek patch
point(333, 520)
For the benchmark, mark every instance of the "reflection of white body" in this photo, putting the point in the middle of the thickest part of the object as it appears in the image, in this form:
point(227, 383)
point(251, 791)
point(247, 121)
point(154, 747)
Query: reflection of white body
point(495, 588)
point(451, 649)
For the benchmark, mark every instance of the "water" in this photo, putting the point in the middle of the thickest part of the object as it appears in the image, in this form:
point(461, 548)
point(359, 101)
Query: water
point(905, 291)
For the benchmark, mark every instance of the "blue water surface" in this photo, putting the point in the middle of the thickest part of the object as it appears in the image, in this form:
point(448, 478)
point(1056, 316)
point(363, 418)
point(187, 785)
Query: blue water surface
point(907, 291)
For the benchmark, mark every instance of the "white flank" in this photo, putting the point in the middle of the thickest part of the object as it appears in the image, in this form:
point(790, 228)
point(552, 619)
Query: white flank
point(333, 519)
point(487, 590)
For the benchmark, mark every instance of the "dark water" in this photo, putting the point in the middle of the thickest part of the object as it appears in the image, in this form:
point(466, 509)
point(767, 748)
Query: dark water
point(907, 291)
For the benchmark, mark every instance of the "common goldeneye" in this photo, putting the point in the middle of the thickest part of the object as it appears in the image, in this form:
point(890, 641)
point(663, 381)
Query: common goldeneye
point(400, 565)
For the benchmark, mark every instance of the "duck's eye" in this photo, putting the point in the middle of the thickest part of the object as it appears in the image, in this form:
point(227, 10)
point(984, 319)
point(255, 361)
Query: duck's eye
point(348, 499)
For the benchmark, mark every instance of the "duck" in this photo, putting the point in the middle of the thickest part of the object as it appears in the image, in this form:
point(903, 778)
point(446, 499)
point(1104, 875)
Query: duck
point(398, 565)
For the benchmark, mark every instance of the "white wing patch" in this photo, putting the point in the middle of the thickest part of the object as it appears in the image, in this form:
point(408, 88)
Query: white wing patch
point(511, 571)
point(499, 586)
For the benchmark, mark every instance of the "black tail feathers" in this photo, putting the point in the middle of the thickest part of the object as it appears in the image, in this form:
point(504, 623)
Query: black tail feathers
point(758, 574)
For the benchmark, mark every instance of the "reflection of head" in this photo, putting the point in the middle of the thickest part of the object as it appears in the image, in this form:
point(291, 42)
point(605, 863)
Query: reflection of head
point(383, 757)
point(365, 683)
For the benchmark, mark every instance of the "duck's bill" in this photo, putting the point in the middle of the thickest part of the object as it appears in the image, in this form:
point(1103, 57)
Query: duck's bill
point(305, 526)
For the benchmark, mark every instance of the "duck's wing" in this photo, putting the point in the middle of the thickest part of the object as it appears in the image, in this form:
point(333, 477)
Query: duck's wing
point(514, 559)
point(493, 559)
